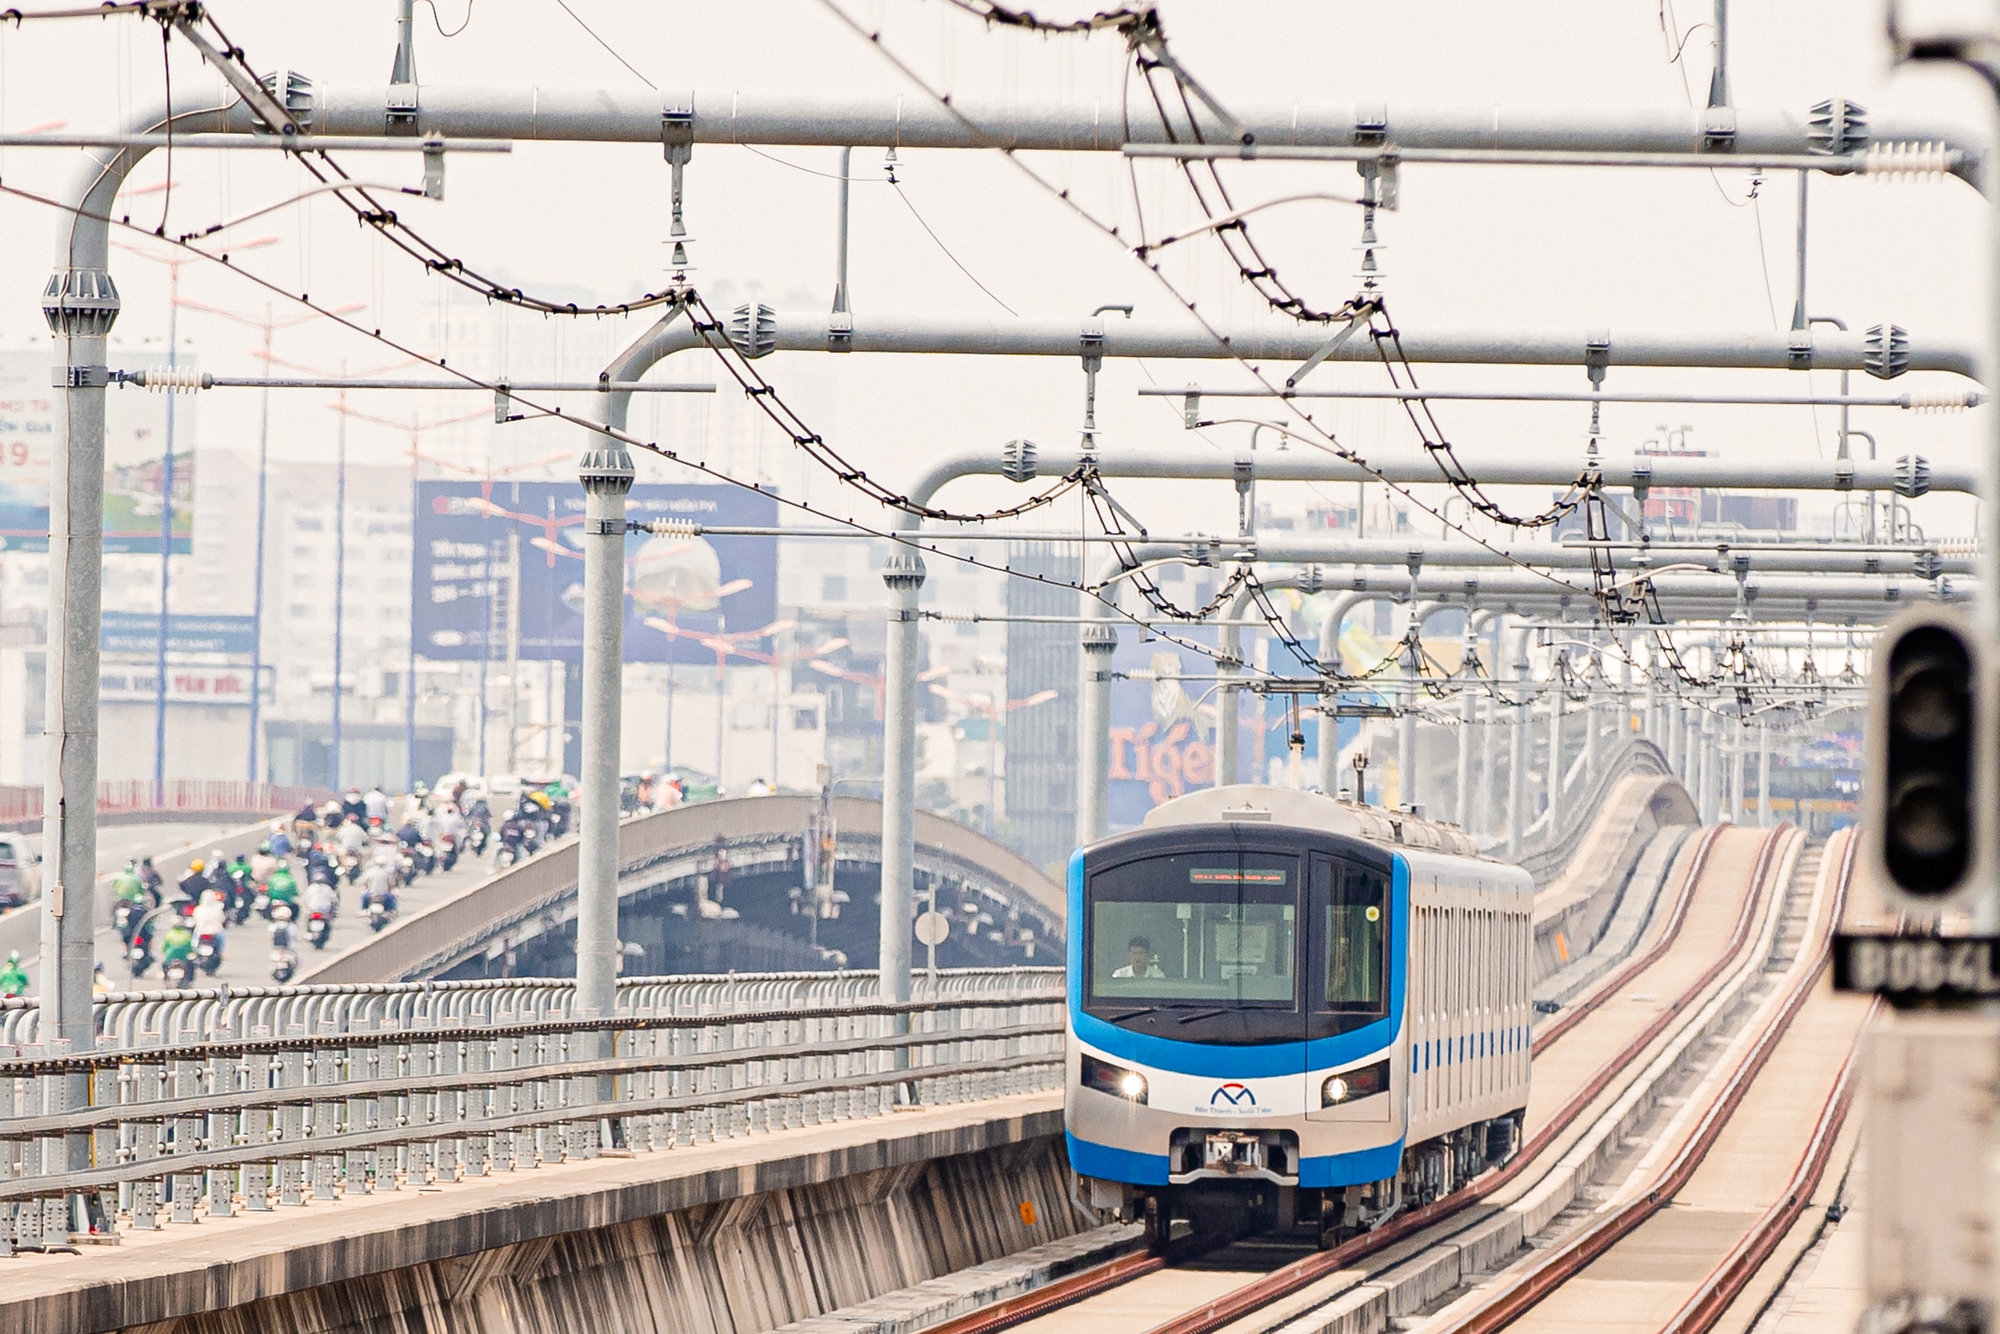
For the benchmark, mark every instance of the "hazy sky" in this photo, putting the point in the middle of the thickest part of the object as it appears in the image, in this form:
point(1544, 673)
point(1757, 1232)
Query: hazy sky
point(1471, 248)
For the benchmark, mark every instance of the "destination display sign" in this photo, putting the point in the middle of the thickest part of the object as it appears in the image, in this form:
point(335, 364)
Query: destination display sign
point(1918, 970)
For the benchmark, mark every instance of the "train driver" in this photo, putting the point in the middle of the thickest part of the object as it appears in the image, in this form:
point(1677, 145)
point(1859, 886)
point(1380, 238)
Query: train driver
point(1140, 951)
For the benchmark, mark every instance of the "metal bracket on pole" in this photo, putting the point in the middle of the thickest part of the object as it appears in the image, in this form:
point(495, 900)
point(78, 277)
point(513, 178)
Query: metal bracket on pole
point(434, 166)
point(1191, 409)
point(677, 142)
point(253, 93)
point(1326, 350)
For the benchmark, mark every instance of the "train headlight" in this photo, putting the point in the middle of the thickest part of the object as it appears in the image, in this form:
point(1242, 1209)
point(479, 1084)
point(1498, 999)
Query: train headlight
point(1351, 1085)
point(1113, 1079)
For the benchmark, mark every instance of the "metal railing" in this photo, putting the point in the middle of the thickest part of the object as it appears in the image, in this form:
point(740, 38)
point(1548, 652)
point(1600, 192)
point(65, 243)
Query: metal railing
point(19, 805)
point(214, 1101)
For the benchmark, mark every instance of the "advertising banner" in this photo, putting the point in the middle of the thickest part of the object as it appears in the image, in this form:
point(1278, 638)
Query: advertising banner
point(136, 634)
point(491, 553)
point(1163, 729)
point(135, 436)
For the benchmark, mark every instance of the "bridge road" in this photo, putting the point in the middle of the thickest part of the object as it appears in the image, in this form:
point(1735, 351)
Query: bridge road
point(246, 957)
point(21, 928)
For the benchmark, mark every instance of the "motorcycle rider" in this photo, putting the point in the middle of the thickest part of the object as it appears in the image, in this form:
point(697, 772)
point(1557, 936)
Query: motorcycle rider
point(150, 878)
point(282, 887)
point(129, 901)
point(13, 977)
point(319, 903)
point(375, 803)
point(378, 886)
point(211, 919)
point(177, 945)
point(353, 806)
point(194, 883)
point(281, 842)
point(241, 887)
point(351, 836)
point(263, 864)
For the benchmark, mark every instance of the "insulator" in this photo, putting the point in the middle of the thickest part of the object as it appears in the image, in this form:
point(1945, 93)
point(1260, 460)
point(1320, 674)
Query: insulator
point(1907, 159)
point(1940, 400)
point(175, 379)
point(673, 528)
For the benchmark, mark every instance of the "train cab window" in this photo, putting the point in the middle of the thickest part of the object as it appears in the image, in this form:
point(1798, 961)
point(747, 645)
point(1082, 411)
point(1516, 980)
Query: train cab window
point(1194, 930)
point(1353, 903)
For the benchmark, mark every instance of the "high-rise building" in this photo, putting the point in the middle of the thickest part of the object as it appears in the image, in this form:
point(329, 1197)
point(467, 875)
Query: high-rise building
point(1041, 742)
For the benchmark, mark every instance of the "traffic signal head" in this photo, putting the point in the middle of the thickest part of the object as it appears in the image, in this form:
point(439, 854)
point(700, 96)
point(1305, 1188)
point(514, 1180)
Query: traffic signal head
point(1925, 787)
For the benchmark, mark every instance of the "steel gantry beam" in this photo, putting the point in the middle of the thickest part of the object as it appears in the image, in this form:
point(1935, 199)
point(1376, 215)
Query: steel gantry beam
point(81, 304)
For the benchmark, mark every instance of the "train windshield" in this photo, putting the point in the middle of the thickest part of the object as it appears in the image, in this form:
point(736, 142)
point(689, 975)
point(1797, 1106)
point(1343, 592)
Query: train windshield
point(1195, 930)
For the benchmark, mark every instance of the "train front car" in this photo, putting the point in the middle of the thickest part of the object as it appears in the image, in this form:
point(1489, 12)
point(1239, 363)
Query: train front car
point(1252, 1040)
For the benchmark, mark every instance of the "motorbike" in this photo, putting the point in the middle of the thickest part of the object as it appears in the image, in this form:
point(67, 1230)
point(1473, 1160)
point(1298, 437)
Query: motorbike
point(406, 869)
point(208, 952)
point(476, 836)
point(508, 855)
point(178, 972)
point(125, 916)
point(350, 866)
point(318, 927)
point(380, 914)
point(284, 959)
point(447, 852)
point(139, 958)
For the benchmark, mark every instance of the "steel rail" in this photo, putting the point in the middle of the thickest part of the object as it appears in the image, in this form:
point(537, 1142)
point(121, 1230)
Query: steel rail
point(1574, 1014)
point(1240, 1302)
point(1722, 1287)
point(1576, 1255)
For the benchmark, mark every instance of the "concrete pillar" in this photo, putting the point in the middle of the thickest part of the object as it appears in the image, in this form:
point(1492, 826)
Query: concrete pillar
point(1738, 756)
point(1487, 808)
point(1093, 741)
point(1329, 726)
point(1228, 707)
point(606, 474)
point(903, 572)
point(1763, 776)
point(1468, 722)
point(1691, 756)
point(1406, 735)
point(1707, 747)
point(80, 305)
point(1556, 766)
point(1517, 773)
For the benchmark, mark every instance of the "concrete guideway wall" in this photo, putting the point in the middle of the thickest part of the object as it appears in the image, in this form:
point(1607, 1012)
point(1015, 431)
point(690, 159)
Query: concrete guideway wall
point(1571, 911)
point(717, 1238)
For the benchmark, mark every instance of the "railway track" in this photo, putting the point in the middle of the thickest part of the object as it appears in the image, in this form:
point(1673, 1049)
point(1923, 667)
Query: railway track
point(1183, 1294)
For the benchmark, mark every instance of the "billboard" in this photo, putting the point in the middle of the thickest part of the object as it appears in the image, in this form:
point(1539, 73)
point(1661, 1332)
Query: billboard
point(1163, 730)
point(137, 634)
point(487, 552)
point(135, 436)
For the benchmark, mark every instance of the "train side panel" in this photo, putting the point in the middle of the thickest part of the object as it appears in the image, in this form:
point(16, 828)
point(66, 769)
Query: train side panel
point(1470, 1002)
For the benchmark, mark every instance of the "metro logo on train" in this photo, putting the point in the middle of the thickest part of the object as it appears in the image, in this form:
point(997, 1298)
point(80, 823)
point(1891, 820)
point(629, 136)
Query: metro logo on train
point(1235, 1095)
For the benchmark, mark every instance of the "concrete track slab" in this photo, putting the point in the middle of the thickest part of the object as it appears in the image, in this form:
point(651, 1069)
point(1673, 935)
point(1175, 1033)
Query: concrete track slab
point(219, 1263)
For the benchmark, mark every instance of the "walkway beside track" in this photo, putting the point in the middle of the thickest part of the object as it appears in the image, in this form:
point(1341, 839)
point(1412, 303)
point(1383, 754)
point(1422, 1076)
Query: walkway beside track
point(267, 1271)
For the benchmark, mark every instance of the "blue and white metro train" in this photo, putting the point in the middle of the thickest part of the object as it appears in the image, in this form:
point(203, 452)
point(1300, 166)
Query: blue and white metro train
point(1287, 1009)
